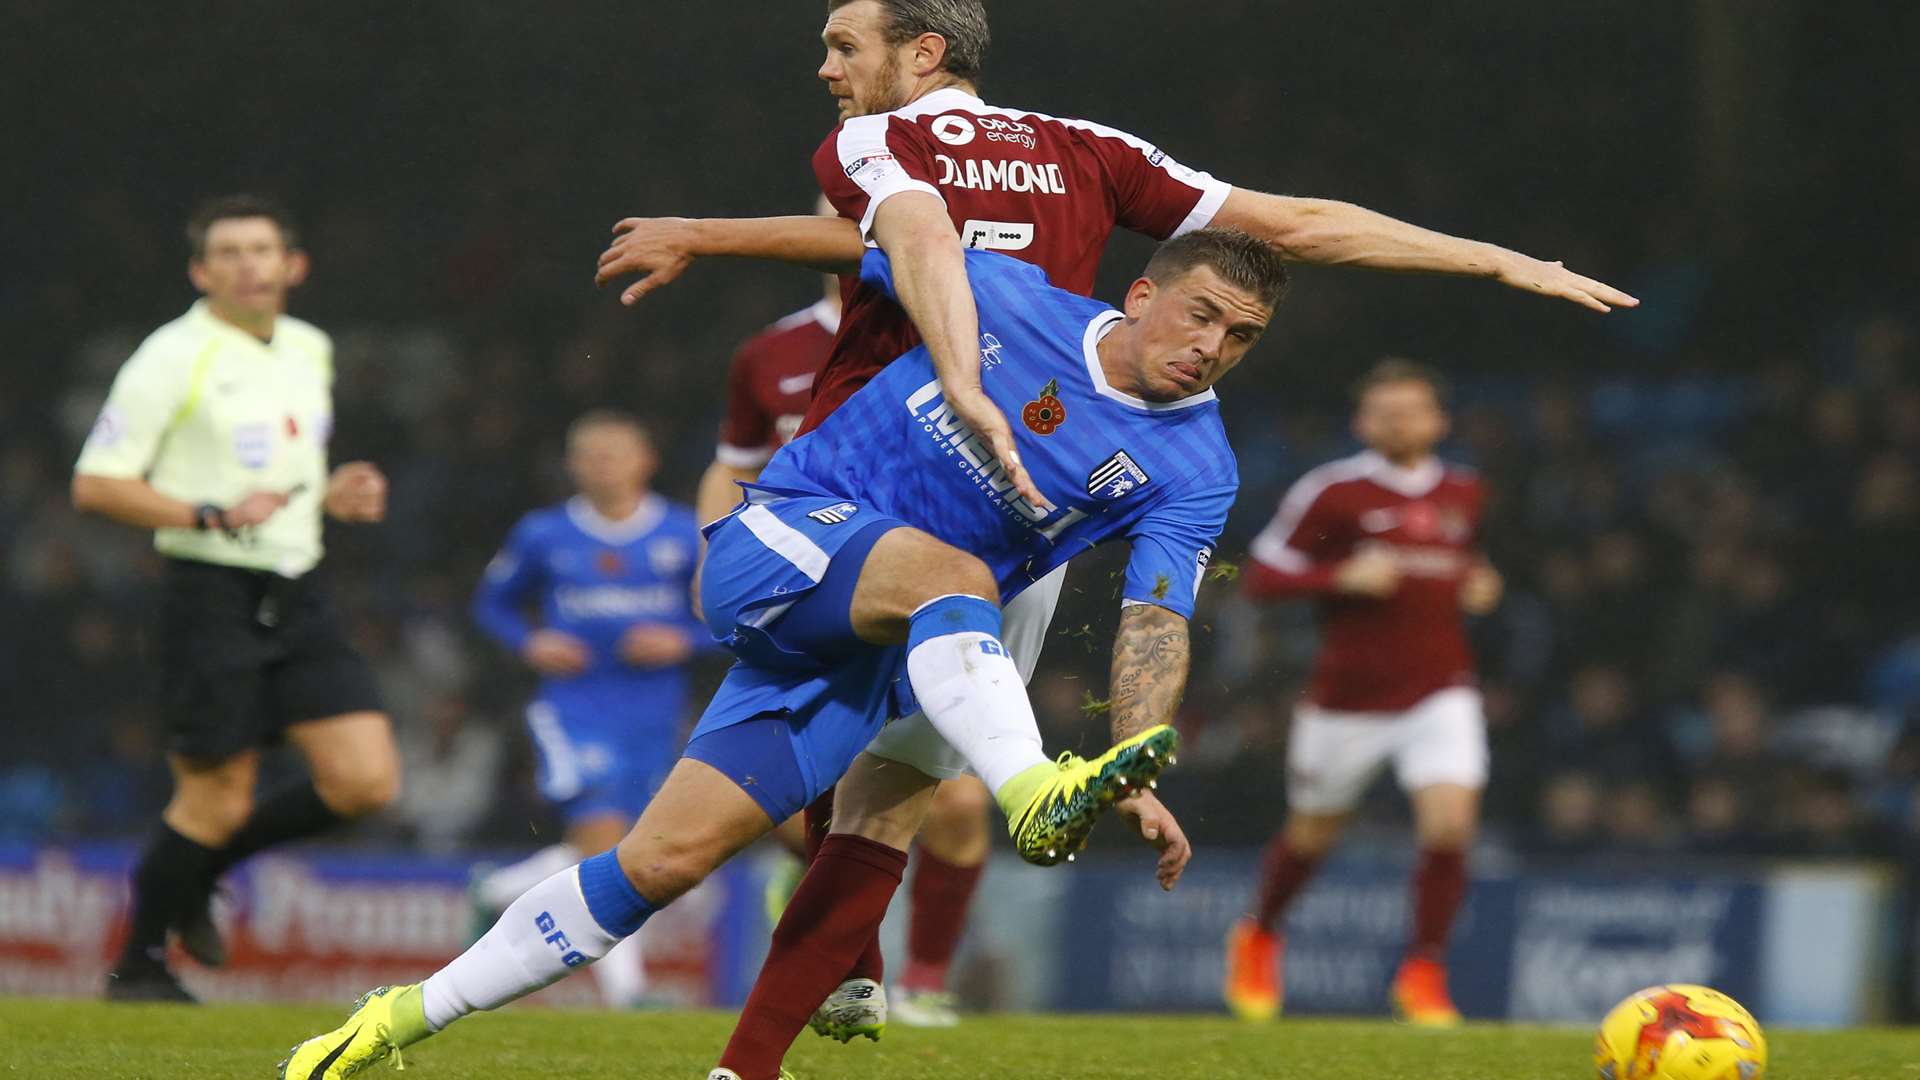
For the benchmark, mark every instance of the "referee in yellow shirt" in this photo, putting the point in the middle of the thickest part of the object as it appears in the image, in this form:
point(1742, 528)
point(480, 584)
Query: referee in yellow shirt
point(215, 437)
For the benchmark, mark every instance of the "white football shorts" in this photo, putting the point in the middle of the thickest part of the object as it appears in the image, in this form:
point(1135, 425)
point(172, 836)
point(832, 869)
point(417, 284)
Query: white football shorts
point(1333, 756)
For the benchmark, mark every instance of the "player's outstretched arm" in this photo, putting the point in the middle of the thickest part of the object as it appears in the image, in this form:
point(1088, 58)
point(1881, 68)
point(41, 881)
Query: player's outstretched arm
point(1342, 234)
point(929, 272)
point(661, 249)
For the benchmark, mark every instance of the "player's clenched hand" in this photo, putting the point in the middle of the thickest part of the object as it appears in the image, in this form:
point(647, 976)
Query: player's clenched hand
point(1481, 589)
point(1156, 825)
point(555, 652)
point(655, 646)
point(256, 508)
point(357, 491)
point(985, 419)
point(1372, 573)
point(658, 249)
point(1554, 279)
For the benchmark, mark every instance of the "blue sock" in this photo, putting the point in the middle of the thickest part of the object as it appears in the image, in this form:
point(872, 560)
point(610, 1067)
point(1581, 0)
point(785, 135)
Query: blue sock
point(953, 614)
point(611, 899)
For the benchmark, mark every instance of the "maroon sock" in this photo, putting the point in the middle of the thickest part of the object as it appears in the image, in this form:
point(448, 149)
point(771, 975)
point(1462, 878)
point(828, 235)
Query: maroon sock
point(1282, 875)
point(834, 914)
point(871, 963)
point(1439, 884)
point(940, 894)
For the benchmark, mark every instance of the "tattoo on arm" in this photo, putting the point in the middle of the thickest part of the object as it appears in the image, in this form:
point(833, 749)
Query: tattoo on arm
point(1151, 653)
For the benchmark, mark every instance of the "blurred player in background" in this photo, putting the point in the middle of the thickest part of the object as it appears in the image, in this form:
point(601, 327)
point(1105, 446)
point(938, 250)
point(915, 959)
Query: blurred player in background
point(922, 167)
point(215, 436)
point(769, 386)
point(610, 571)
point(1385, 543)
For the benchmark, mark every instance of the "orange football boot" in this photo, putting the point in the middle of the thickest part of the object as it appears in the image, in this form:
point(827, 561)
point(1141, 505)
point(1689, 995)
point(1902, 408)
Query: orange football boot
point(1420, 994)
point(1253, 988)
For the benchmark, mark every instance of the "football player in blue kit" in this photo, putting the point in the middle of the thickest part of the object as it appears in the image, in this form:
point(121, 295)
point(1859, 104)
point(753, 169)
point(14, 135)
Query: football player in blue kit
point(609, 571)
point(862, 578)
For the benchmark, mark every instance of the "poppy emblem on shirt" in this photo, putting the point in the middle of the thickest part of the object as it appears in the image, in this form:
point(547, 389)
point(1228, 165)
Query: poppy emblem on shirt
point(293, 428)
point(609, 563)
point(1045, 413)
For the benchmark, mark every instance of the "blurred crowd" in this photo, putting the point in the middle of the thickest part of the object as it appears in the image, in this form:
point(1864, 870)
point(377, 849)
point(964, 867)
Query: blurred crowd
point(1706, 510)
point(1710, 641)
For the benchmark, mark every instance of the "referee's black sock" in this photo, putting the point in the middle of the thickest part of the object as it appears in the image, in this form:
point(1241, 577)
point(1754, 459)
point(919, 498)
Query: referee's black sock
point(168, 878)
point(287, 813)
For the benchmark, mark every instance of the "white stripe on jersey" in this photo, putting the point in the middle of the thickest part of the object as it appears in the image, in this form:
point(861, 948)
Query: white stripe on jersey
point(1271, 547)
point(1213, 192)
point(785, 541)
point(822, 311)
point(869, 163)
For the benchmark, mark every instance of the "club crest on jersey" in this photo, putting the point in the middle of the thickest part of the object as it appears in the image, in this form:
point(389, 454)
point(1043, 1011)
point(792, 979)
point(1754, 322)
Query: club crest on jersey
point(1116, 476)
point(1045, 413)
point(835, 514)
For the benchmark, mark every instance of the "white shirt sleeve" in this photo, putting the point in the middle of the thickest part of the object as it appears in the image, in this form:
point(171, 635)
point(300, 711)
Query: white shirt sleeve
point(148, 394)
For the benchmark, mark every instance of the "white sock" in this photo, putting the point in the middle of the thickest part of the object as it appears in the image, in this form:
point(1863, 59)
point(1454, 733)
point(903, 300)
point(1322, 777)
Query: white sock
point(622, 974)
point(504, 886)
point(971, 689)
point(544, 935)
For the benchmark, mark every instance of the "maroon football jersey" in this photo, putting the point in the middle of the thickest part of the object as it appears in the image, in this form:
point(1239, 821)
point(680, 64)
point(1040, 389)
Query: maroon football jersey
point(1036, 187)
point(1378, 654)
point(770, 382)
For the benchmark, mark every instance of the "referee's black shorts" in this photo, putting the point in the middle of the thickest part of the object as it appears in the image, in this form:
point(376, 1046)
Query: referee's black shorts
point(245, 653)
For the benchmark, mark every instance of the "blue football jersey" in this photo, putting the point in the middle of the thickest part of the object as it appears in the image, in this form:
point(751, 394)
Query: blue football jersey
point(1161, 475)
point(594, 578)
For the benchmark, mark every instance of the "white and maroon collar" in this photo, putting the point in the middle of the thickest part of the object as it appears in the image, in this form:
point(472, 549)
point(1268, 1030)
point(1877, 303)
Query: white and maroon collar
point(945, 99)
point(1412, 482)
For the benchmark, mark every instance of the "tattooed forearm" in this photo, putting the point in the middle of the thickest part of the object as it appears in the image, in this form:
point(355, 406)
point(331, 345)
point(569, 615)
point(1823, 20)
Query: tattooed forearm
point(1150, 657)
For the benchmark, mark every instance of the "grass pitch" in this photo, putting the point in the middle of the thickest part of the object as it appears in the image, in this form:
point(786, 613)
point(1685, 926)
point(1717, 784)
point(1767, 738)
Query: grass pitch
point(55, 1040)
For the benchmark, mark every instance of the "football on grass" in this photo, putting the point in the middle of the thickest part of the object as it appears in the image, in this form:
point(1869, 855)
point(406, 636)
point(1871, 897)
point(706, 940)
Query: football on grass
point(1680, 1032)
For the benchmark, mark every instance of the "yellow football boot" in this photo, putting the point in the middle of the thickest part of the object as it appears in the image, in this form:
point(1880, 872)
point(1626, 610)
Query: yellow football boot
point(383, 1020)
point(1051, 823)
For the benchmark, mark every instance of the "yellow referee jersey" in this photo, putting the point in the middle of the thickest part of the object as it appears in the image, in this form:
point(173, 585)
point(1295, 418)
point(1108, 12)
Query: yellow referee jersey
point(208, 413)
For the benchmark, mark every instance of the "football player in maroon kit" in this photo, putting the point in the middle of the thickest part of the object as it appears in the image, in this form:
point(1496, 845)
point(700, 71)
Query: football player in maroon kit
point(1385, 544)
point(920, 167)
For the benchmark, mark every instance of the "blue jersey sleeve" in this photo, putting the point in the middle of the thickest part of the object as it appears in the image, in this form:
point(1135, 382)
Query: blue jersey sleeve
point(1172, 544)
point(510, 580)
